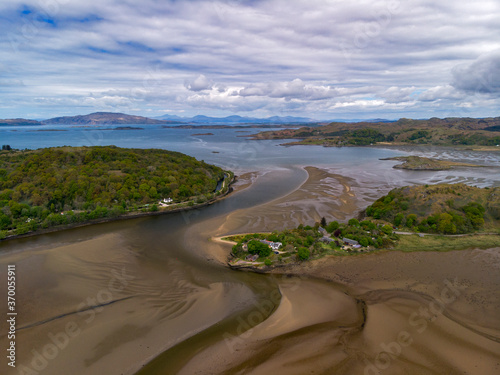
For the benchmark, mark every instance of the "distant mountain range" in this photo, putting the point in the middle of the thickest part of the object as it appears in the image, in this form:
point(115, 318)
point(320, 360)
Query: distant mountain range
point(111, 118)
point(200, 119)
point(102, 118)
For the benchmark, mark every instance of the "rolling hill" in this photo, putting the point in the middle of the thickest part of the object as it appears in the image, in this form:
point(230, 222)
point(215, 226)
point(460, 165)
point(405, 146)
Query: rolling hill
point(442, 208)
point(434, 131)
point(103, 118)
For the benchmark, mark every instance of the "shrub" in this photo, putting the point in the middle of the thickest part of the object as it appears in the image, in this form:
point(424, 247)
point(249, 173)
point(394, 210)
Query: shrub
point(353, 222)
point(257, 247)
point(364, 242)
point(411, 220)
point(398, 219)
point(331, 227)
point(368, 225)
point(387, 229)
point(303, 253)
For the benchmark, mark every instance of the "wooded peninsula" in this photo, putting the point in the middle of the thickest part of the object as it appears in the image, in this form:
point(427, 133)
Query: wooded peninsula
point(66, 185)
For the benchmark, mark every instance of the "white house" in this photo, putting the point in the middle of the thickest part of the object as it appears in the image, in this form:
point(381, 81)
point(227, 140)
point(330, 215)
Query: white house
point(271, 244)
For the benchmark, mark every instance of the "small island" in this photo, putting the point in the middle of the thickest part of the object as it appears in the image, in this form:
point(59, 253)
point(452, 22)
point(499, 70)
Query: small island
point(56, 188)
point(197, 134)
point(128, 128)
point(418, 163)
point(413, 218)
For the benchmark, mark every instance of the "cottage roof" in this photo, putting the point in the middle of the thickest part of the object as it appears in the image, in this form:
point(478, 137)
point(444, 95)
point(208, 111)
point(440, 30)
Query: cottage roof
point(350, 242)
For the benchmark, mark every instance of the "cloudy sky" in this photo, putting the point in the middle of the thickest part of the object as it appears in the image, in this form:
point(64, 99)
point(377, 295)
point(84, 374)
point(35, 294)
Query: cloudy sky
point(324, 59)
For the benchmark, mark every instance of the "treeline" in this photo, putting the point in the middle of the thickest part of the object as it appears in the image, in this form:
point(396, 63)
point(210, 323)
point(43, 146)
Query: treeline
point(446, 209)
point(54, 186)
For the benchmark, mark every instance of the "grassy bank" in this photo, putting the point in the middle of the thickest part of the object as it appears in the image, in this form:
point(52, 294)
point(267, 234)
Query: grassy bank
point(409, 243)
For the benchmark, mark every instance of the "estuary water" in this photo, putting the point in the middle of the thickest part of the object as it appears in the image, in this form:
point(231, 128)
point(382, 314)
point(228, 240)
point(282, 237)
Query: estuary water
point(152, 295)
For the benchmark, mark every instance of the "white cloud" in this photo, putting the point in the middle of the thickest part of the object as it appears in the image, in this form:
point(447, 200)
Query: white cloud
point(200, 83)
point(398, 94)
point(439, 93)
point(305, 57)
point(295, 89)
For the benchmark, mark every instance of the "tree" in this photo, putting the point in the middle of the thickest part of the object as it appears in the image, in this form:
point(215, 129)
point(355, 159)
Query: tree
point(353, 222)
point(309, 240)
point(387, 229)
point(334, 225)
point(268, 262)
point(323, 222)
point(398, 219)
point(5, 221)
point(364, 242)
point(303, 253)
point(475, 213)
point(445, 224)
point(367, 224)
point(273, 237)
point(257, 247)
point(411, 220)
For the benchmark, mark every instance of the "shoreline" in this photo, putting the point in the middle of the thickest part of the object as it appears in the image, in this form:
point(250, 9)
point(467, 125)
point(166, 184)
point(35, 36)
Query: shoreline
point(313, 175)
point(476, 148)
point(307, 264)
point(127, 216)
point(392, 286)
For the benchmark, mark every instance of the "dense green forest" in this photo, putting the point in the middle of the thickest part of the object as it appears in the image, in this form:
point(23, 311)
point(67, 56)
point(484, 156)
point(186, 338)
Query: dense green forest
point(443, 208)
point(54, 186)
